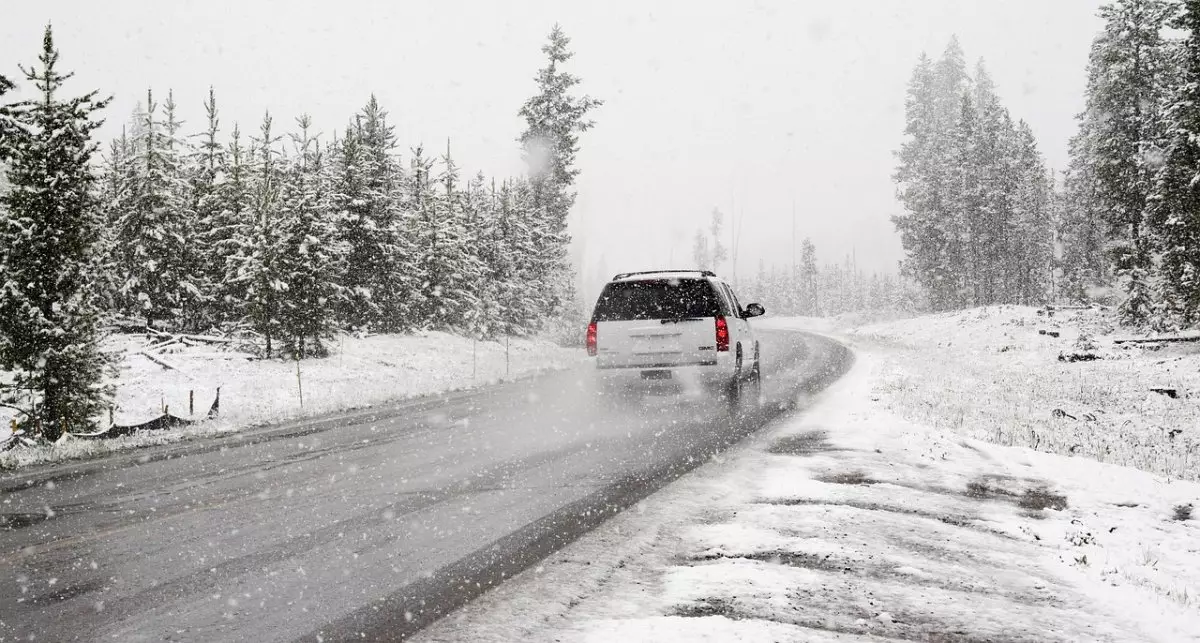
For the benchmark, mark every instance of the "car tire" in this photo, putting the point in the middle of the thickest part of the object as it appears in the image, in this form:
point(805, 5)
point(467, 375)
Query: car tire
point(752, 390)
point(744, 394)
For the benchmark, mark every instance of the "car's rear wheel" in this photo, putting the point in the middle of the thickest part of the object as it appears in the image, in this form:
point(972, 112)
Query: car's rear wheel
point(752, 396)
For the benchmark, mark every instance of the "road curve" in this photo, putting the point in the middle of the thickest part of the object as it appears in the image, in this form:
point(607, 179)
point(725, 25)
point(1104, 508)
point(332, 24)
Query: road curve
point(366, 525)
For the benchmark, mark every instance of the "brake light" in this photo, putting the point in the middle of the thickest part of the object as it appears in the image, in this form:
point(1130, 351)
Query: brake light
point(722, 334)
point(591, 339)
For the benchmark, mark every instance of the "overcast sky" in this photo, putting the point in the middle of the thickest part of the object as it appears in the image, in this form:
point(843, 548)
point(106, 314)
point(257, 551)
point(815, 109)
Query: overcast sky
point(745, 106)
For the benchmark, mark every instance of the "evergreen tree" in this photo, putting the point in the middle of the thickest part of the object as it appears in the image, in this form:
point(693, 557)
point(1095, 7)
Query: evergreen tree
point(479, 211)
point(49, 231)
point(441, 243)
point(113, 195)
point(229, 225)
point(976, 222)
point(810, 302)
point(962, 222)
point(1178, 212)
point(459, 265)
point(524, 301)
point(719, 252)
point(1030, 250)
point(1082, 231)
point(381, 268)
point(257, 255)
point(1123, 126)
point(701, 255)
point(307, 260)
point(554, 118)
point(8, 127)
point(927, 228)
point(154, 227)
point(994, 240)
point(210, 241)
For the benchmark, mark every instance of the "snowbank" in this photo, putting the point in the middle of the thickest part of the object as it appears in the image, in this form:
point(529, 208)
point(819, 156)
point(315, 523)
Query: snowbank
point(361, 372)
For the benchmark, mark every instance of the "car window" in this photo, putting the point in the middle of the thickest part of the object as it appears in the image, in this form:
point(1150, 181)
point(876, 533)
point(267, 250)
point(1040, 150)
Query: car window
point(737, 305)
point(657, 299)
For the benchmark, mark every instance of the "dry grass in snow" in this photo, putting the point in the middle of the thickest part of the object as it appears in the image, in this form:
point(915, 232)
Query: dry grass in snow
point(991, 374)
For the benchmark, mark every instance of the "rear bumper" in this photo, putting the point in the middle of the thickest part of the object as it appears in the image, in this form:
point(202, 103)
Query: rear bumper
point(697, 374)
point(655, 366)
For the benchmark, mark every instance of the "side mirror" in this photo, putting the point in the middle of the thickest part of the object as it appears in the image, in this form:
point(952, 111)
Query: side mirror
point(754, 310)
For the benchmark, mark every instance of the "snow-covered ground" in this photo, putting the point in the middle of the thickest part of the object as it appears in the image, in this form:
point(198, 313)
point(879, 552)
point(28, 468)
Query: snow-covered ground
point(361, 372)
point(990, 373)
point(853, 523)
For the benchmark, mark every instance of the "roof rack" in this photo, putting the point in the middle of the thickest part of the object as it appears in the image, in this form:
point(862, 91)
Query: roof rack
point(622, 275)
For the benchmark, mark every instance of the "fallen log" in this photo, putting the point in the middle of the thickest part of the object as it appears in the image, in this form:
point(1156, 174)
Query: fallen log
point(1158, 340)
point(158, 360)
point(229, 355)
point(208, 339)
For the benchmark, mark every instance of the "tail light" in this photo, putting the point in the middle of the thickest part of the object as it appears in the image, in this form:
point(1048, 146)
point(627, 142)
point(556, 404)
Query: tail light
point(591, 339)
point(722, 335)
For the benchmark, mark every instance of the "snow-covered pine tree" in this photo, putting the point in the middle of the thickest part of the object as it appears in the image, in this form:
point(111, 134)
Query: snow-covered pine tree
point(8, 128)
point(1127, 79)
point(1030, 241)
point(1082, 231)
point(112, 194)
point(154, 227)
point(453, 268)
point(526, 302)
point(994, 244)
point(701, 254)
point(231, 225)
point(1177, 214)
point(356, 231)
point(505, 288)
point(308, 256)
point(259, 247)
point(810, 300)
point(719, 252)
point(929, 230)
point(191, 310)
point(964, 200)
point(554, 118)
point(211, 239)
point(758, 290)
point(440, 241)
point(49, 230)
point(381, 268)
point(479, 223)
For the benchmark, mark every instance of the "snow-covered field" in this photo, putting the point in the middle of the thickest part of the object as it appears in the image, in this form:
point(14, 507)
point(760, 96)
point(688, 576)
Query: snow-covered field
point(989, 373)
point(361, 372)
point(853, 523)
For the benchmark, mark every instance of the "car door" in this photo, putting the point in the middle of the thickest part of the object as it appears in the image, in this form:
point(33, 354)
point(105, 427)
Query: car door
point(744, 335)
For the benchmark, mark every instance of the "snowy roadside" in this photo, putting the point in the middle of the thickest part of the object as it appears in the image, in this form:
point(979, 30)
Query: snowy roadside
point(1003, 374)
point(851, 523)
point(361, 372)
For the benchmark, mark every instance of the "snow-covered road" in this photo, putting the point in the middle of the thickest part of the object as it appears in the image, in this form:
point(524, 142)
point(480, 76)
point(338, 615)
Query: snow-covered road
point(849, 524)
point(369, 524)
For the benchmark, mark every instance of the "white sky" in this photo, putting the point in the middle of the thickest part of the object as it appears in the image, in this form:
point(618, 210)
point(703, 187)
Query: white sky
point(746, 105)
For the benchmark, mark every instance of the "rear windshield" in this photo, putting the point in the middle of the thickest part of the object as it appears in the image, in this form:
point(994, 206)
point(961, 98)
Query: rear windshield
point(656, 299)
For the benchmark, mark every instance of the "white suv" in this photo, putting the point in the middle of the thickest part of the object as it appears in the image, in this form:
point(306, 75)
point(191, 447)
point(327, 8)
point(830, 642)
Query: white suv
point(684, 325)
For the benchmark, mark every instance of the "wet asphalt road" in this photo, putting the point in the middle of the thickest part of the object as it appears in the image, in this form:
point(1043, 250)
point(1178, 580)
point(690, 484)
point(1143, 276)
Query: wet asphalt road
point(364, 526)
